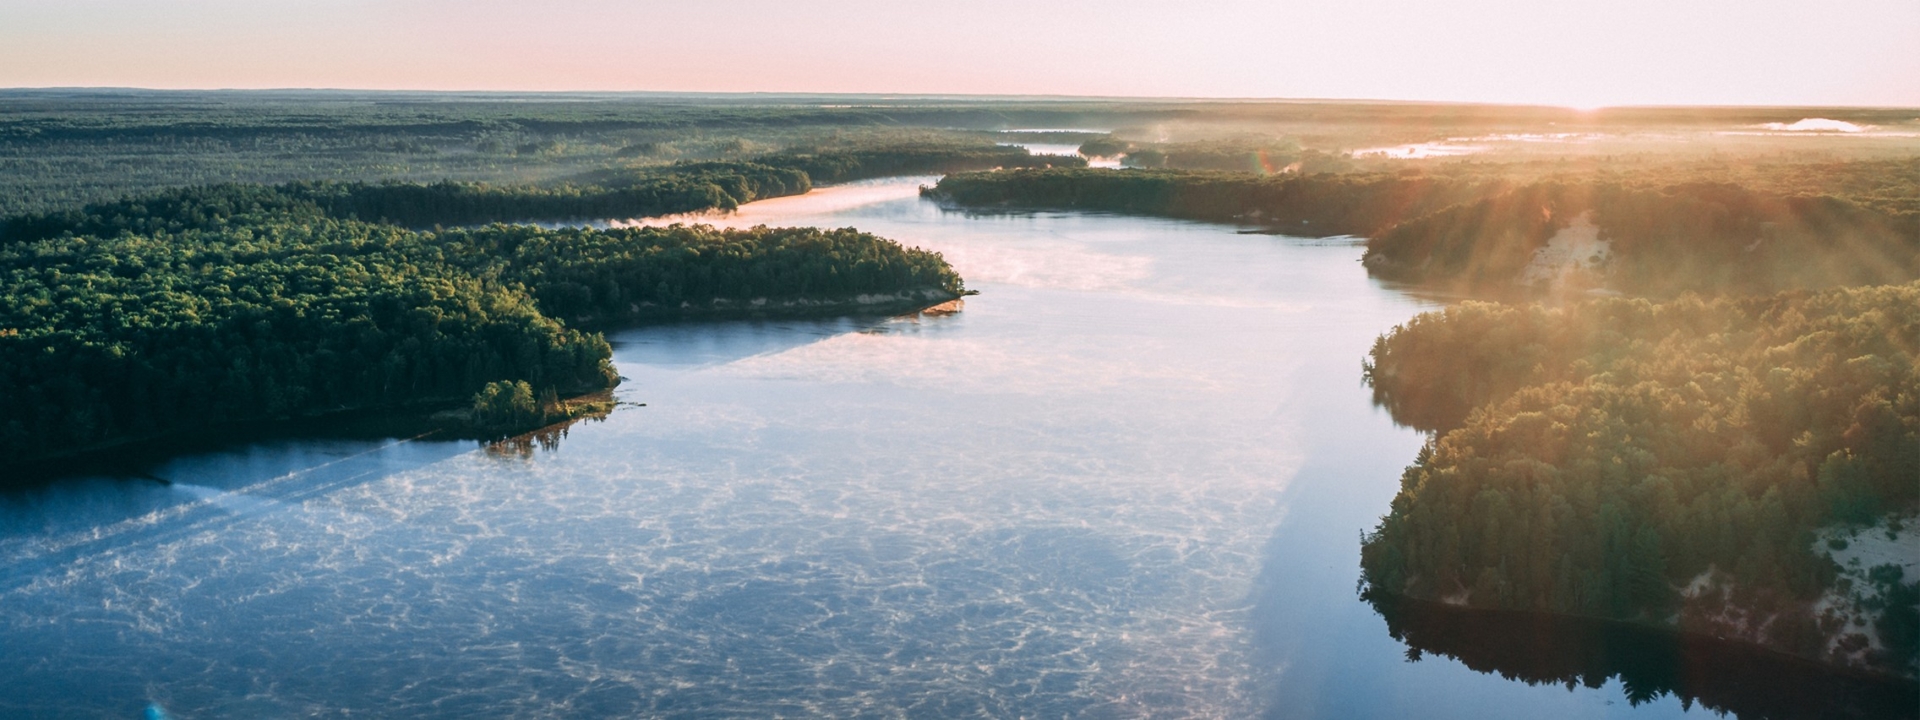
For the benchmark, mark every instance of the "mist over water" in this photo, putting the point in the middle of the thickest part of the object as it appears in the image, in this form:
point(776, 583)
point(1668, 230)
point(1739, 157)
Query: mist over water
point(1126, 480)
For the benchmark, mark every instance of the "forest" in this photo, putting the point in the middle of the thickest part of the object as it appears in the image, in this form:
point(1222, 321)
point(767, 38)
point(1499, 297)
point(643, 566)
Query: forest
point(668, 190)
point(1478, 229)
point(60, 149)
point(63, 148)
point(202, 307)
point(1665, 462)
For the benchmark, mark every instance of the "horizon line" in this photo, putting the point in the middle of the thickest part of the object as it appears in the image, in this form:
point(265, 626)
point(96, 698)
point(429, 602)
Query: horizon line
point(1052, 97)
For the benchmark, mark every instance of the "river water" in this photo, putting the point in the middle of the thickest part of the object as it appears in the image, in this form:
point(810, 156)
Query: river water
point(1127, 479)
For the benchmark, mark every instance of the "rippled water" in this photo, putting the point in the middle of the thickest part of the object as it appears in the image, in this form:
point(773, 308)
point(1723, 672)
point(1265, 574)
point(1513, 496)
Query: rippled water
point(1126, 480)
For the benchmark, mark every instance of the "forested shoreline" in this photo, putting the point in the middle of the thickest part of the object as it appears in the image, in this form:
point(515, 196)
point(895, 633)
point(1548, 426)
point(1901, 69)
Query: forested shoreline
point(1671, 463)
point(201, 307)
point(1684, 463)
point(1480, 231)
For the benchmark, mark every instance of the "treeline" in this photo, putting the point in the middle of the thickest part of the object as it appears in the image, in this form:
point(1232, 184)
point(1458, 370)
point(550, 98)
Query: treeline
point(235, 304)
point(1661, 462)
point(415, 205)
point(1814, 226)
point(1315, 205)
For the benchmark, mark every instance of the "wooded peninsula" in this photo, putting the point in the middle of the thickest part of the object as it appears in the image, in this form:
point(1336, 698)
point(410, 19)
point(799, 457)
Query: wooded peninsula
point(209, 306)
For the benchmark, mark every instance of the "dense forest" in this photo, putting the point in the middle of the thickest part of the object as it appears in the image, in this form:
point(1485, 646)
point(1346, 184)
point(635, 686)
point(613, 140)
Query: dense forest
point(1811, 225)
point(217, 305)
point(60, 149)
point(1671, 463)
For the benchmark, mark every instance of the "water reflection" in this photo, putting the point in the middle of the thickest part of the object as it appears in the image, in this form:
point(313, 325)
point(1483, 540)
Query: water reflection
point(547, 439)
point(1650, 665)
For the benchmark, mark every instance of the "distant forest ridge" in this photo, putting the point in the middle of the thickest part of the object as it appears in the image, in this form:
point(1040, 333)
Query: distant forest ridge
point(611, 194)
point(64, 148)
point(50, 109)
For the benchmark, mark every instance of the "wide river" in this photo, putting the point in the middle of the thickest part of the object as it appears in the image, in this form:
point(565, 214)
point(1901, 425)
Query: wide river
point(1127, 479)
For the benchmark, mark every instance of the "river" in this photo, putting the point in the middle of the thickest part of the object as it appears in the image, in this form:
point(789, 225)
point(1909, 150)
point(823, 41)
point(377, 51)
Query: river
point(1127, 479)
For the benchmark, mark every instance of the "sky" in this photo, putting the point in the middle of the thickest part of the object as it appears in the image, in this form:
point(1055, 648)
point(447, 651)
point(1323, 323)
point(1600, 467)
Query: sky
point(1581, 53)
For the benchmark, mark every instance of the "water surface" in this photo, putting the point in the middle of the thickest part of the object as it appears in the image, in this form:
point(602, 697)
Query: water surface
point(1125, 480)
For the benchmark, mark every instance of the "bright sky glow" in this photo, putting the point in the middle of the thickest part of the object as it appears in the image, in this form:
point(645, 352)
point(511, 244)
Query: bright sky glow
point(1582, 53)
point(1815, 125)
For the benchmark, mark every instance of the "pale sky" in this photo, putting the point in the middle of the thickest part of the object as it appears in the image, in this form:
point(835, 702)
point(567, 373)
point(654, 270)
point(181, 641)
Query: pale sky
point(1568, 52)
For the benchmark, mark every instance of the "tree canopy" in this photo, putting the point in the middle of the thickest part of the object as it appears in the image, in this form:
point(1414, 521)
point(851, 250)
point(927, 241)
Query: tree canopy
point(1664, 462)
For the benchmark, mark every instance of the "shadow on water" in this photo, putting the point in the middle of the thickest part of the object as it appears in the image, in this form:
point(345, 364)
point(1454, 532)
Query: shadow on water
point(1650, 664)
point(148, 459)
point(149, 500)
